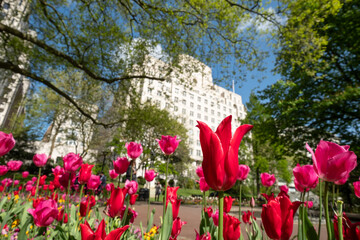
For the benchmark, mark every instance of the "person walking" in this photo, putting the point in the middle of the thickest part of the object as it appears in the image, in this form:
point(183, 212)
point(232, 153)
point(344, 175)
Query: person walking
point(157, 191)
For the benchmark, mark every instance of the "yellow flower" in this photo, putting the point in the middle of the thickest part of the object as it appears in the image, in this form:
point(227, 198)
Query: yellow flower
point(31, 226)
point(15, 223)
point(16, 197)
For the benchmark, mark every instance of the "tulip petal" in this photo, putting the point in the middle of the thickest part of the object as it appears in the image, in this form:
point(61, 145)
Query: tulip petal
point(271, 218)
point(86, 231)
point(116, 234)
point(224, 132)
point(100, 231)
point(340, 165)
point(239, 134)
point(318, 163)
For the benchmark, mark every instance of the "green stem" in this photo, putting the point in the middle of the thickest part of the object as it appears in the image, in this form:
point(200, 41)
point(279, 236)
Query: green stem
point(340, 203)
point(320, 208)
point(299, 219)
point(81, 192)
point(204, 208)
point(333, 195)
point(221, 215)
point(37, 184)
point(303, 216)
point(164, 198)
point(327, 216)
point(119, 180)
point(240, 202)
point(337, 192)
point(148, 210)
point(66, 208)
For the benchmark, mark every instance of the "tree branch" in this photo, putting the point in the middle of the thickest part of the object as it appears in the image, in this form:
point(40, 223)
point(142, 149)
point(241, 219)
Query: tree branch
point(72, 61)
point(16, 69)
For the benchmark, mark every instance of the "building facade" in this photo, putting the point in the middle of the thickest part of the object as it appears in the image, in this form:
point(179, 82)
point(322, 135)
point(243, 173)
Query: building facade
point(193, 96)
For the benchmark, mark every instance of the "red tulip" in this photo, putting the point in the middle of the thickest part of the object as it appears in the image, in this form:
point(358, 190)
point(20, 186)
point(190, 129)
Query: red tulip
point(94, 182)
point(209, 211)
point(121, 165)
point(228, 200)
point(116, 234)
point(357, 188)
point(243, 172)
point(72, 162)
point(64, 179)
point(85, 173)
point(42, 180)
point(25, 174)
point(44, 213)
point(350, 230)
point(3, 170)
point(305, 176)
point(36, 202)
point(113, 174)
point(278, 217)
point(231, 228)
point(7, 142)
point(14, 165)
point(133, 198)
point(284, 188)
point(246, 217)
point(200, 172)
point(134, 149)
point(205, 236)
point(220, 150)
point(176, 228)
point(332, 162)
point(116, 202)
point(61, 216)
point(267, 179)
point(150, 175)
point(40, 159)
point(215, 217)
point(175, 204)
point(86, 205)
point(168, 144)
point(203, 185)
point(171, 193)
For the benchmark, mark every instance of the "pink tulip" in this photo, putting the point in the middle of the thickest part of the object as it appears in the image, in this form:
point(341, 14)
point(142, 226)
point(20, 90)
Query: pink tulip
point(309, 204)
point(134, 149)
point(200, 172)
point(28, 188)
point(150, 175)
point(267, 179)
point(131, 186)
point(357, 188)
point(332, 162)
point(305, 177)
point(108, 187)
point(3, 170)
point(215, 217)
point(7, 182)
point(121, 164)
point(243, 172)
point(44, 213)
point(94, 182)
point(25, 174)
point(14, 165)
point(205, 236)
point(34, 179)
point(72, 162)
point(40, 159)
point(168, 144)
point(16, 182)
point(203, 185)
point(343, 180)
point(284, 188)
point(113, 174)
point(58, 170)
point(7, 142)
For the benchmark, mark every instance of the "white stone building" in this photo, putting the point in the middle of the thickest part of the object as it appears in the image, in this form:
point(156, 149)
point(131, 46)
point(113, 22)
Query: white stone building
point(13, 87)
point(192, 96)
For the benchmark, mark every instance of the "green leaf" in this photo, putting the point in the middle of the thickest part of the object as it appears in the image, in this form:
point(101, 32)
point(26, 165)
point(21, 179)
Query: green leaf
point(257, 230)
point(151, 220)
point(167, 224)
point(23, 228)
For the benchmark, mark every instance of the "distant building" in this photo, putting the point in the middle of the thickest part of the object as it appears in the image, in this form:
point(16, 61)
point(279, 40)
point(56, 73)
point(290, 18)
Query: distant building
point(13, 87)
point(192, 96)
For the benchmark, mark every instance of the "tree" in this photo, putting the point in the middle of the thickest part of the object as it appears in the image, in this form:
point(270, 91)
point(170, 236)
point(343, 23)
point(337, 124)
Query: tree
point(107, 40)
point(267, 152)
point(319, 95)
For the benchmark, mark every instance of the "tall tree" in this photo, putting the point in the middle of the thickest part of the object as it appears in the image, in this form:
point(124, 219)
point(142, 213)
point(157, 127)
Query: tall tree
point(107, 40)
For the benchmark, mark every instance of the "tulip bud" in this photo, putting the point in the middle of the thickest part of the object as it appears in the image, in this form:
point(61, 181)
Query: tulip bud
point(7, 142)
point(252, 202)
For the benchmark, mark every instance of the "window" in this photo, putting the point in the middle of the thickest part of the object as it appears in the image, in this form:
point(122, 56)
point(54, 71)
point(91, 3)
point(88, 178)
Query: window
point(184, 101)
point(190, 131)
point(198, 153)
point(184, 93)
point(224, 109)
point(199, 99)
point(6, 6)
point(206, 101)
point(212, 112)
point(191, 113)
point(176, 108)
point(191, 151)
point(212, 120)
point(191, 96)
point(183, 120)
point(150, 90)
point(199, 116)
point(206, 109)
point(191, 104)
point(184, 111)
point(158, 93)
point(191, 122)
point(206, 118)
point(191, 141)
point(218, 114)
point(176, 99)
point(198, 107)
point(176, 90)
point(198, 142)
point(212, 104)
